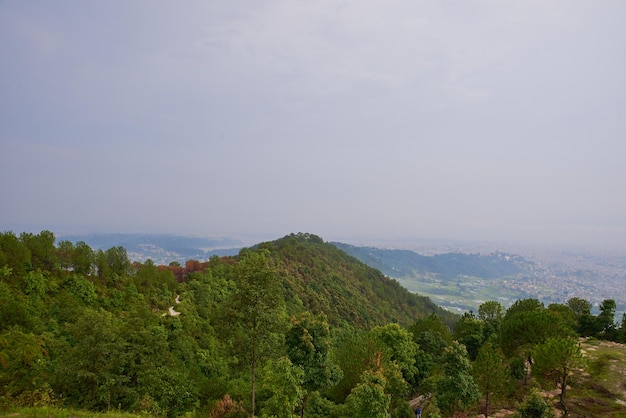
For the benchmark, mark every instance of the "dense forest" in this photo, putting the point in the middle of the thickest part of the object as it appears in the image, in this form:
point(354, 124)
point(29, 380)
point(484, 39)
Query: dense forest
point(293, 327)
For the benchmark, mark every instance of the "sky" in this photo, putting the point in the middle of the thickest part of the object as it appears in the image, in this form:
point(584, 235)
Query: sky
point(350, 119)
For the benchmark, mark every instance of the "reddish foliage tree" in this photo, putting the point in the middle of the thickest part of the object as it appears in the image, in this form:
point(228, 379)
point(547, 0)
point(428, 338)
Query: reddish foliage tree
point(227, 408)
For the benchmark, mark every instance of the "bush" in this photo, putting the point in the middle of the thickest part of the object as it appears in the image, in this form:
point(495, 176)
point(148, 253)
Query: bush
point(535, 407)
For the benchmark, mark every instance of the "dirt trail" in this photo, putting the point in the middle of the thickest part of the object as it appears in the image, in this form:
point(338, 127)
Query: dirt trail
point(171, 310)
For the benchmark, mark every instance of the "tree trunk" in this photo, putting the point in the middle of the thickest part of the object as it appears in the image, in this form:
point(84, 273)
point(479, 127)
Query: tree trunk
point(304, 401)
point(487, 405)
point(563, 390)
point(253, 388)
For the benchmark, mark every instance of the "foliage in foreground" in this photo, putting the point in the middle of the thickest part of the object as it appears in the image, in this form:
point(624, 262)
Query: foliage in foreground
point(294, 327)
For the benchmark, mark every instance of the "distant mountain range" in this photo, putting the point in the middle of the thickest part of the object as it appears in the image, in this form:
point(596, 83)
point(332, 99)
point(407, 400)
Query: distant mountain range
point(406, 263)
point(161, 248)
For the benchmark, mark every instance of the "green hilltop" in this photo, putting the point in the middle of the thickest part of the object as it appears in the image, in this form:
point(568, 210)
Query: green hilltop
point(322, 278)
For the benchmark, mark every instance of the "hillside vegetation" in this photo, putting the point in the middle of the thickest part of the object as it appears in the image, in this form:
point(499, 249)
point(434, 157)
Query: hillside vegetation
point(323, 278)
point(292, 327)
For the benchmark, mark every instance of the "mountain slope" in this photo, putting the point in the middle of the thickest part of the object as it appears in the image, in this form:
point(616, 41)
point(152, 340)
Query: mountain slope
point(323, 278)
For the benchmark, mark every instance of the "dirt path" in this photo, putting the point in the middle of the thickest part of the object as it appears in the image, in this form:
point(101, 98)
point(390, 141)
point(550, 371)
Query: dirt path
point(171, 310)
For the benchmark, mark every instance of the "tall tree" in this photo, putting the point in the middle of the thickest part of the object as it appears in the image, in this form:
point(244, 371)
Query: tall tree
point(606, 319)
point(489, 373)
point(453, 383)
point(555, 360)
point(83, 258)
point(470, 332)
point(308, 346)
point(257, 309)
point(42, 249)
point(586, 323)
point(491, 313)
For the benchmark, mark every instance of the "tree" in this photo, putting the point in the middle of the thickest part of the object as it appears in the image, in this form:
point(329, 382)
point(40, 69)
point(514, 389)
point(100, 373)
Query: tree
point(14, 254)
point(400, 348)
point(398, 364)
point(308, 346)
point(586, 324)
point(23, 359)
point(555, 360)
point(284, 381)
point(368, 398)
point(523, 305)
point(491, 313)
point(579, 306)
point(489, 373)
point(42, 249)
point(452, 383)
point(83, 258)
point(470, 332)
point(535, 406)
point(118, 261)
point(90, 373)
point(257, 311)
point(65, 254)
point(606, 319)
point(432, 336)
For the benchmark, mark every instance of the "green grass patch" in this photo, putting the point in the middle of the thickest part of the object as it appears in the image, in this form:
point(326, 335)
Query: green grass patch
point(600, 389)
point(44, 412)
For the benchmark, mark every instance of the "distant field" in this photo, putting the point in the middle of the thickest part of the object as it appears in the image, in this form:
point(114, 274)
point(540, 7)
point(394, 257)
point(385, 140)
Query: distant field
point(462, 295)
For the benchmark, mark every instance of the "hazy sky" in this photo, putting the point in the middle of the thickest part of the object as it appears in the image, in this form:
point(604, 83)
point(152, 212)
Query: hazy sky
point(468, 120)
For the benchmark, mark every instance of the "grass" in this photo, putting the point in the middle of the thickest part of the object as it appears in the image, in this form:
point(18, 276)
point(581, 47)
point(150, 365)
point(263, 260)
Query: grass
point(600, 389)
point(45, 412)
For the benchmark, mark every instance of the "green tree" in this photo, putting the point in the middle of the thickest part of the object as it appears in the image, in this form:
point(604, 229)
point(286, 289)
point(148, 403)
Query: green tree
point(257, 311)
point(579, 306)
point(470, 332)
point(65, 254)
point(14, 254)
point(563, 319)
point(432, 336)
point(535, 406)
point(83, 259)
point(586, 324)
point(452, 383)
point(42, 249)
point(606, 319)
point(90, 372)
point(491, 313)
point(368, 398)
point(23, 361)
point(555, 361)
point(308, 346)
point(355, 353)
point(118, 261)
point(526, 324)
point(398, 367)
point(284, 381)
point(400, 348)
point(490, 373)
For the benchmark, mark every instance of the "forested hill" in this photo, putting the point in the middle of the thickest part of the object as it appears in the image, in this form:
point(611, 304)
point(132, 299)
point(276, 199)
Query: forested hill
point(323, 278)
point(406, 263)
